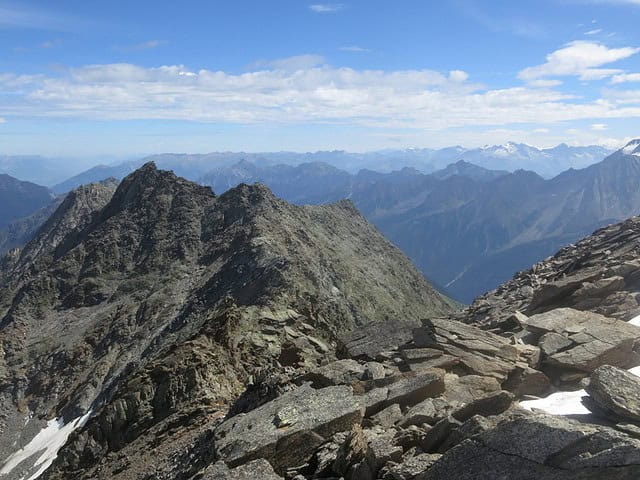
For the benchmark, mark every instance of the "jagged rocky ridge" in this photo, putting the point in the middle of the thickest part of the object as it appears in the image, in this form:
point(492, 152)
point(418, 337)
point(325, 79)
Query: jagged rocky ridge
point(146, 311)
point(451, 396)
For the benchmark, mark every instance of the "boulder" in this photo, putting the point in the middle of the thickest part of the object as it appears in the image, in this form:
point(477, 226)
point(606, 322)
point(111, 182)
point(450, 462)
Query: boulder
point(368, 341)
point(493, 403)
point(424, 358)
point(388, 417)
point(478, 352)
point(617, 391)
point(384, 450)
point(410, 468)
point(535, 447)
point(524, 380)
point(435, 437)
point(424, 412)
point(340, 372)
point(412, 389)
point(256, 469)
point(302, 418)
point(595, 340)
point(552, 342)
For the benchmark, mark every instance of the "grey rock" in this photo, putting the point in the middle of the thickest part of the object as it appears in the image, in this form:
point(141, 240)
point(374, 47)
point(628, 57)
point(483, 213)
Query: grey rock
point(373, 371)
point(617, 391)
point(424, 412)
point(493, 403)
point(384, 450)
point(541, 446)
point(552, 342)
point(258, 469)
point(478, 352)
point(270, 430)
point(410, 469)
point(340, 372)
point(414, 388)
point(435, 437)
point(524, 380)
point(601, 341)
point(369, 340)
point(388, 417)
point(373, 400)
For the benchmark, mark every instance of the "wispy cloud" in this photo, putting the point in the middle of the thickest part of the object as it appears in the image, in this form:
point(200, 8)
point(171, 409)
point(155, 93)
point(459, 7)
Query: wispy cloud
point(138, 47)
point(2, 120)
point(326, 7)
point(625, 77)
point(595, 31)
point(14, 16)
point(599, 126)
point(580, 58)
point(354, 49)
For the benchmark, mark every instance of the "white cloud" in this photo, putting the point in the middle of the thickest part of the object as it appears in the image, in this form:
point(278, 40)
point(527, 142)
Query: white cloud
point(354, 49)
point(544, 83)
point(458, 76)
point(599, 126)
point(2, 120)
point(309, 93)
point(626, 77)
point(594, 31)
point(581, 59)
point(326, 7)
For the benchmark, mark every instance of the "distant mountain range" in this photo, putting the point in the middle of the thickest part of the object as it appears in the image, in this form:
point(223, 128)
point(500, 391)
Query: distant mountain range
point(509, 157)
point(467, 227)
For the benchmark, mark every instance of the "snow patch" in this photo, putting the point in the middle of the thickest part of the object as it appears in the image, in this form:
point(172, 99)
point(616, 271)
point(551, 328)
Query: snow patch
point(635, 321)
point(48, 441)
point(561, 403)
point(565, 403)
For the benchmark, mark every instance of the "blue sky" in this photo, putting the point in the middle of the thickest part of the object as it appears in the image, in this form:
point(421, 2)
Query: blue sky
point(126, 78)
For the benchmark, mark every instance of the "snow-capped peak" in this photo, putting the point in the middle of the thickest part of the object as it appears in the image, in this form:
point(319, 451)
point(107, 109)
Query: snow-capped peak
point(632, 148)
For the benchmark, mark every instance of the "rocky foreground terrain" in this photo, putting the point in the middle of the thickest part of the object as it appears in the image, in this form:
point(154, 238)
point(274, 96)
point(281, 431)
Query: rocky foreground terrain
point(166, 333)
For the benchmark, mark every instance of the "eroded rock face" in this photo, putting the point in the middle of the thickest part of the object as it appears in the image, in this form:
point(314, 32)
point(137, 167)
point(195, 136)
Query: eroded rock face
point(616, 391)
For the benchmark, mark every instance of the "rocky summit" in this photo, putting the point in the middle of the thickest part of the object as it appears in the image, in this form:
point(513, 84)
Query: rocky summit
point(138, 318)
point(162, 332)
